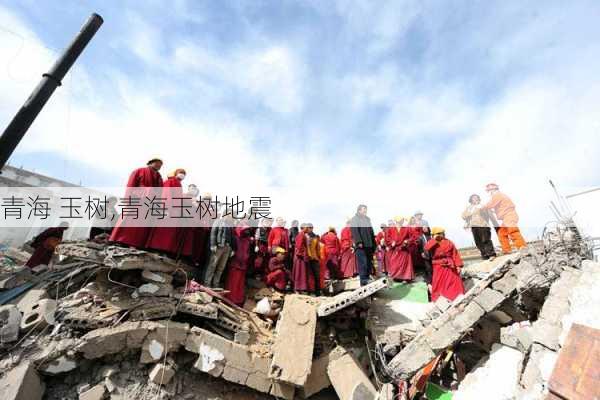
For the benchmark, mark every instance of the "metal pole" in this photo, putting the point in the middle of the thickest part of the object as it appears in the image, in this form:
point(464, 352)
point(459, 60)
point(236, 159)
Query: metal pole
point(582, 193)
point(21, 122)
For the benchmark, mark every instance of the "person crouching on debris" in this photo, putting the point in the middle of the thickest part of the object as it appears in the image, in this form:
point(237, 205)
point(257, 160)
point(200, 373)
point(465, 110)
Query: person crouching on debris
point(505, 210)
point(278, 276)
point(44, 245)
point(446, 261)
point(477, 218)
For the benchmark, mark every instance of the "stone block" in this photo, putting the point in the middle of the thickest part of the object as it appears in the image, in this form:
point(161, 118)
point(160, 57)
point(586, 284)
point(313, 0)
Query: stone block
point(40, 316)
point(348, 378)
point(489, 299)
point(166, 336)
point(294, 343)
point(155, 289)
point(506, 285)
point(516, 337)
point(468, 317)
point(411, 358)
point(235, 375)
point(161, 374)
point(21, 383)
point(282, 390)
point(259, 381)
point(443, 337)
point(10, 323)
point(31, 298)
point(95, 393)
point(546, 333)
point(103, 341)
point(318, 378)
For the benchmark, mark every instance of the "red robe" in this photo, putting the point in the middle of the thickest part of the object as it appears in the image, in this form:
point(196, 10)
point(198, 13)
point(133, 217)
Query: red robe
point(416, 233)
point(446, 261)
point(348, 266)
point(278, 237)
point(331, 245)
point(136, 236)
point(380, 252)
point(398, 259)
point(44, 245)
point(277, 276)
point(238, 266)
point(300, 267)
point(169, 239)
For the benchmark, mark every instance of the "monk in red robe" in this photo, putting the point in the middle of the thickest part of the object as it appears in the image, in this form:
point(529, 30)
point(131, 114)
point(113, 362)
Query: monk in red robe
point(170, 238)
point(348, 266)
point(380, 249)
point(301, 260)
point(446, 261)
point(200, 247)
point(137, 236)
point(278, 236)
point(278, 276)
point(261, 248)
point(44, 245)
point(235, 283)
point(331, 245)
point(398, 257)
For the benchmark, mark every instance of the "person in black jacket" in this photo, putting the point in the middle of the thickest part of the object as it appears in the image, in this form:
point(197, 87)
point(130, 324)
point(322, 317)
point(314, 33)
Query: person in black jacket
point(363, 238)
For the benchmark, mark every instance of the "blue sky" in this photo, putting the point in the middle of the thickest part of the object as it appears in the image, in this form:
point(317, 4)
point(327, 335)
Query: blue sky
point(321, 104)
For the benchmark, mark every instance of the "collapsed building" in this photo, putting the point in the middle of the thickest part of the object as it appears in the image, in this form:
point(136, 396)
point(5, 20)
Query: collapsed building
point(110, 322)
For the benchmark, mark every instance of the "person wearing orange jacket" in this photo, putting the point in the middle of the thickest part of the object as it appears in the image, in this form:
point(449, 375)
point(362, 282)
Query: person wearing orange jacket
point(505, 211)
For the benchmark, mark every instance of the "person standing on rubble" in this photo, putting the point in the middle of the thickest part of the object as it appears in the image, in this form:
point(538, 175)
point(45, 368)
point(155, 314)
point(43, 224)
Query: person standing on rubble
point(146, 177)
point(261, 246)
point(167, 237)
point(331, 244)
point(348, 267)
point(505, 211)
point(446, 261)
point(278, 236)
point(477, 218)
point(399, 259)
point(44, 245)
point(313, 248)
point(238, 264)
point(380, 250)
point(222, 247)
point(363, 237)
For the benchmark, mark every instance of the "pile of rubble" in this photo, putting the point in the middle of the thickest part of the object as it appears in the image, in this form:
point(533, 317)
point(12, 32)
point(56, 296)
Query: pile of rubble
point(110, 322)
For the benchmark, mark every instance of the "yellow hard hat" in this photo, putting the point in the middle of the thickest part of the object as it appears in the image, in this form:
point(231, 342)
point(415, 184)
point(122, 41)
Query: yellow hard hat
point(279, 250)
point(437, 230)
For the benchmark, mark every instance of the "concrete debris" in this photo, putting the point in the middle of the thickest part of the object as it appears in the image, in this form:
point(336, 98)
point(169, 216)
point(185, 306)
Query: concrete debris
point(10, 323)
point(31, 298)
point(161, 374)
point(293, 348)
point(95, 393)
point(344, 300)
point(16, 277)
point(157, 277)
point(22, 383)
point(40, 316)
point(59, 366)
point(348, 378)
point(318, 379)
point(155, 289)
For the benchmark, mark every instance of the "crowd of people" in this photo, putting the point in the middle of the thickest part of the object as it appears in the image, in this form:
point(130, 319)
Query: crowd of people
point(227, 251)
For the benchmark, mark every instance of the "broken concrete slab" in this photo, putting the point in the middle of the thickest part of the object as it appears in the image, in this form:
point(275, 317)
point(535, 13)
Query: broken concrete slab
point(161, 374)
point(31, 298)
point(10, 323)
point(293, 347)
point(40, 316)
point(157, 277)
point(489, 299)
point(346, 299)
point(58, 366)
point(209, 311)
point(282, 390)
point(95, 393)
point(517, 336)
point(348, 378)
point(164, 336)
point(155, 289)
point(22, 383)
point(103, 341)
point(318, 379)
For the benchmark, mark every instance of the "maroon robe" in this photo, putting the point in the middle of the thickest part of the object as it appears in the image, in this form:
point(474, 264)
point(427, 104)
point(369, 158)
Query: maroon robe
point(277, 276)
point(398, 258)
point(278, 237)
point(238, 266)
point(44, 245)
point(446, 261)
point(331, 260)
point(136, 236)
point(168, 239)
point(348, 266)
point(300, 267)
